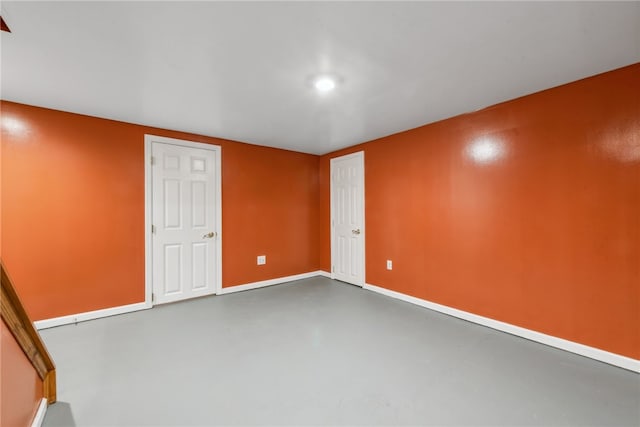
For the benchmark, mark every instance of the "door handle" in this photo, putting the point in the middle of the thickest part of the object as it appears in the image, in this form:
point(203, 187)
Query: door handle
point(356, 231)
point(210, 235)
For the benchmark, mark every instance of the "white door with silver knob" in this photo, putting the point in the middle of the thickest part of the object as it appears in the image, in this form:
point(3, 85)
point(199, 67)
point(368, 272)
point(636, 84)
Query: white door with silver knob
point(185, 219)
point(347, 218)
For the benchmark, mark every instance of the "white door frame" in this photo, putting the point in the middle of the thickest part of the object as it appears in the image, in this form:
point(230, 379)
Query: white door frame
point(148, 205)
point(359, 155)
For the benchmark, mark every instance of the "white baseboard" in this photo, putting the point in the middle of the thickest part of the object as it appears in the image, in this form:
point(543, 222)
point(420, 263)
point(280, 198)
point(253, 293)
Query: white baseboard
point(90, 315)
point(39, 417)
point(263, 283)
point(573, 347)
point(324, 274)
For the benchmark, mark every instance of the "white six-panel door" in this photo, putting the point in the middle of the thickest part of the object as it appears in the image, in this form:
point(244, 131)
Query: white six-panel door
point(347, 218)
point(184, 221)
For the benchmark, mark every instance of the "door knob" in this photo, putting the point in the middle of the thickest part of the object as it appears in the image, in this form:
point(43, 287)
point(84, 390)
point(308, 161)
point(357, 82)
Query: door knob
point(209, 235)
point(356, 231)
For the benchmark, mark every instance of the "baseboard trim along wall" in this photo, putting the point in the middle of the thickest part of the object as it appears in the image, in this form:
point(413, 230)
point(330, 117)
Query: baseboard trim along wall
point(40, 413)
point(113, 311)
point(562, 344)
point(90, 315)
point(270, 282)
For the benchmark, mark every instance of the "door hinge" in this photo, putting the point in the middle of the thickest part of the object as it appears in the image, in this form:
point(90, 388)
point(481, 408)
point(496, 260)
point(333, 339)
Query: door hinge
point(153, 160)
point(153, 229)
point(153, 297)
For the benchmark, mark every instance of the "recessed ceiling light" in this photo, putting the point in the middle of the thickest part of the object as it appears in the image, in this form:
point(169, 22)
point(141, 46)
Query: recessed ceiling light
point(324, 84)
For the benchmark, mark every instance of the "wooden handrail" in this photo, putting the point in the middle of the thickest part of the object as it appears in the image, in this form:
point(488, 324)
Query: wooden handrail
point(16, 318)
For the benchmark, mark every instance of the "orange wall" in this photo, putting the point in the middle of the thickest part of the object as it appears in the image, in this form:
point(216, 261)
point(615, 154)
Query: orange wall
point(546, 237)
point(21, 388)
point(73, 210)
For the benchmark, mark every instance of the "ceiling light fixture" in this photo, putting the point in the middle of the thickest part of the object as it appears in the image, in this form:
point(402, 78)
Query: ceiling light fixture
point(324, 84)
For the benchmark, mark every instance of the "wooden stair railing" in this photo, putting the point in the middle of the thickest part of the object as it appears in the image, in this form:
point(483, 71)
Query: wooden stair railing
point(16, 318)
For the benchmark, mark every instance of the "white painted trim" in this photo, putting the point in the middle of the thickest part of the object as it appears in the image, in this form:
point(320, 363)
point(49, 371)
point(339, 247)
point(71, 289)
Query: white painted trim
point(360, 156)
point(181, 142)
point(324, 274)
point(40, 413)
point(148, 201)
point(148, 242)
point(113, 311)
point(562, 344)
point(270, 282)
point(90, 315)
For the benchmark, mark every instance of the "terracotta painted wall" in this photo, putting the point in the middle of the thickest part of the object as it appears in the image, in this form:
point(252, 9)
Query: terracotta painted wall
point(73, 210)
point(21, 388)
point(545, 235)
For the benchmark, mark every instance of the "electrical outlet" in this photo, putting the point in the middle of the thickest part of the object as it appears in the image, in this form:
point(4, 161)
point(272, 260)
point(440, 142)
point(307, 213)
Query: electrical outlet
point(262, 259)
point(389, 264)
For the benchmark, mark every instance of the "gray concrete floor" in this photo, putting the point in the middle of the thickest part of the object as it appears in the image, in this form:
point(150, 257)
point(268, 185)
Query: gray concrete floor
point(320, 352)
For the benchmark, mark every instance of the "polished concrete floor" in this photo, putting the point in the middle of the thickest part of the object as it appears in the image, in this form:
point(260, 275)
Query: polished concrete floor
point(320, 352)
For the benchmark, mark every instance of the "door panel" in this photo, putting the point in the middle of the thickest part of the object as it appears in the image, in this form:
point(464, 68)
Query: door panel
point(172, 206)
point(198, 204)
point(184, 218)
point(347, 204)
point(198, 265)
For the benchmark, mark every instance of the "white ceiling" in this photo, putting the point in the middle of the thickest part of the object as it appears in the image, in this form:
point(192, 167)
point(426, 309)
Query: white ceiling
point(242, 70)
